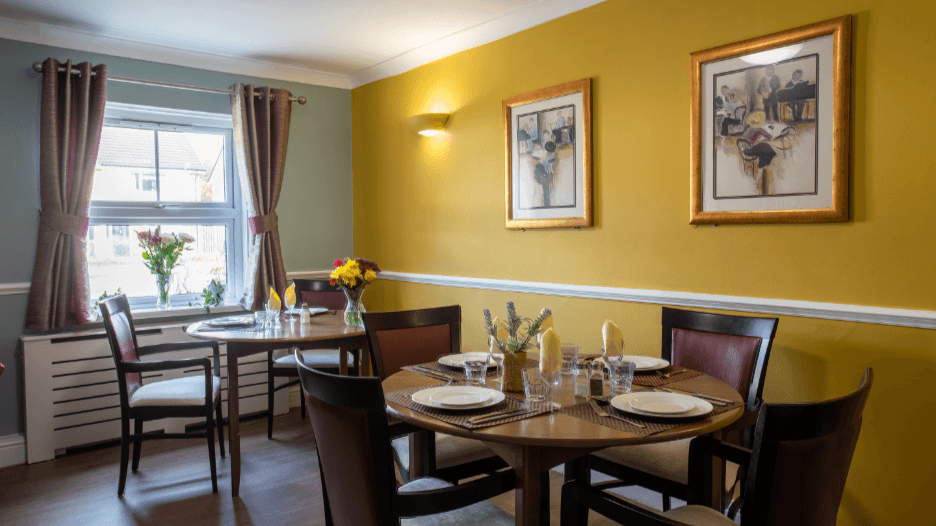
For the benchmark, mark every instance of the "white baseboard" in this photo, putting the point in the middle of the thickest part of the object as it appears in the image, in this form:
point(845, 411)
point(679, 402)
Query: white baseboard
point(12, 450)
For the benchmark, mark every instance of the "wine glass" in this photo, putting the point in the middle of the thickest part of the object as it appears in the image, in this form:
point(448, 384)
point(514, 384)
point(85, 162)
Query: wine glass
point(290, 301)
point(268, 306)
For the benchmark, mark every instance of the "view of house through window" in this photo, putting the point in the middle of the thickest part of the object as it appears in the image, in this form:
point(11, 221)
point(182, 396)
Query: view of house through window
point(177, 178)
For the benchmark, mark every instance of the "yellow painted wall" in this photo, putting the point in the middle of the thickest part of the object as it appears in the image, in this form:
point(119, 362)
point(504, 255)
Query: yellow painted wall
point(436, 206)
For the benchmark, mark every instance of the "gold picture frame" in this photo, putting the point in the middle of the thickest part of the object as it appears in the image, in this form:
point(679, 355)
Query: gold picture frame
point(795, 149)
point(548, 159)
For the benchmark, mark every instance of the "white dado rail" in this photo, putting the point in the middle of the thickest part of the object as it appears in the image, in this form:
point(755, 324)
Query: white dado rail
point(923, 319)
point(72, 395)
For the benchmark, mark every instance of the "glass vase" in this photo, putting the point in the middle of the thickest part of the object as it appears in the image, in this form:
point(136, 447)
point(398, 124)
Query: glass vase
point(513, 371)
point(162, 291)
point(354, 309)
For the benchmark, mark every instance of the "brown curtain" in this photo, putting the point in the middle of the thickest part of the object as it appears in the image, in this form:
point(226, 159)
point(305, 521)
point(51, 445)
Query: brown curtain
point(261, 132)
point(71, 116)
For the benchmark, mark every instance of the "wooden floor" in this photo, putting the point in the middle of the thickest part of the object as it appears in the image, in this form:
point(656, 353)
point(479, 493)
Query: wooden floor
point(279, 485)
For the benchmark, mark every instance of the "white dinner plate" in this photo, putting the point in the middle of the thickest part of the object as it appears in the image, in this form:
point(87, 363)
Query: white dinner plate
point(312, 311)
point(661, 403)
point(622, 403)
point(424, 397)
point(231, 321)
point(461, 396)
point(458, 360)
point(644, 363)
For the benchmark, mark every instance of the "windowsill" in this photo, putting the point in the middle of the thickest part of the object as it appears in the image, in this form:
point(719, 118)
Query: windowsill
point(183, 312)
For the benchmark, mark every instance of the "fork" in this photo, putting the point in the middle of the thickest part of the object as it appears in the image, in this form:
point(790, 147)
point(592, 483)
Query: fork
point(603, 413)
point(661, 374)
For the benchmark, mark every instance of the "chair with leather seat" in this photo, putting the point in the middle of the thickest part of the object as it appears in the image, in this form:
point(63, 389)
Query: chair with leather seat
point(186, 397)
point(734, 349)
point(797, 471)
point(402, 338)
point(352, 437)
point(282, 364)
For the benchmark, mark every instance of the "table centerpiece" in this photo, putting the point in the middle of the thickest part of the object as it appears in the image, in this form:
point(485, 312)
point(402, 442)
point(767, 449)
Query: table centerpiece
point(515, 346)
point(352, 276)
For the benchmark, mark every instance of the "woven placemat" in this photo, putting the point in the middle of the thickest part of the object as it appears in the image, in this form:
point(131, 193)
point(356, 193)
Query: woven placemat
point(653, 425)
point(457, 373)
point(460, 418)
point(652, 379)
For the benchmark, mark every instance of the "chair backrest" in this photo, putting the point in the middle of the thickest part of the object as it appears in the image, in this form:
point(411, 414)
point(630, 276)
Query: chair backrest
point(349, 419)
point(118, 322)
point(411, 337)
point(320, 293)
point(734, 349)
point(800, 461)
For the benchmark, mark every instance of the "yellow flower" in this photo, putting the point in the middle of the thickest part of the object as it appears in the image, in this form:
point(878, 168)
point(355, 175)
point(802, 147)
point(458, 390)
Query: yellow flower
point(370, 276)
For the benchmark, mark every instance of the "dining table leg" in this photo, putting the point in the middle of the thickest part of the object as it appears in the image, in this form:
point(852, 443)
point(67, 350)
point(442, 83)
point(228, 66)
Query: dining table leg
point(343, 360)
point(233, 419)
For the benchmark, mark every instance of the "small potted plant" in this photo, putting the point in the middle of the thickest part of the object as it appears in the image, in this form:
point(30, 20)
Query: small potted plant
point(517, 342)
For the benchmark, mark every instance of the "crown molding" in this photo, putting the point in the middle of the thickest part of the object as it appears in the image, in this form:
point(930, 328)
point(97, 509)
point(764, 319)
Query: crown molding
point(922, 319)
point(495, 29)
point(48, 35)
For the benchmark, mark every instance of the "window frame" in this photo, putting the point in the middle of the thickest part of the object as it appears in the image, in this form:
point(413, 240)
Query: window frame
point(229, 213)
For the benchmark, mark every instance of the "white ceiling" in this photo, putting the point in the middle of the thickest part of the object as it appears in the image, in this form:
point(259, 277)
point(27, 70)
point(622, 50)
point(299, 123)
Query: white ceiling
point(341, 43)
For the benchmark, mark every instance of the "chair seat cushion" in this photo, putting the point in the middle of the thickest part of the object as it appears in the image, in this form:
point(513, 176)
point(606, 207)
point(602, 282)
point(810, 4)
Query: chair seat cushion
point(667, 460)
point(187, 391)
point(450, 450)
point(481, 513)
point(316, 359)
point(698, 516)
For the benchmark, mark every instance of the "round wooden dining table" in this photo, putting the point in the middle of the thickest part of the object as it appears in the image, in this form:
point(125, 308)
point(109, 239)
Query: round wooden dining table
point(535, 445)
point(325, 331)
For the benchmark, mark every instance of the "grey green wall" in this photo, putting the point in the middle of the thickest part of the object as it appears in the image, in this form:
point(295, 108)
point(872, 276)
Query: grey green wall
point(314, 209)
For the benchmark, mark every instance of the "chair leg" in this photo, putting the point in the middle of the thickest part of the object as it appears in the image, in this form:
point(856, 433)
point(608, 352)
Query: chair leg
point(571, 511)
point(666, 502)
point(544, 498)
point(137, 442)
point(211, 450)
point(124, 453)
point(220, 425)
point(577, 470)
point(270, 394)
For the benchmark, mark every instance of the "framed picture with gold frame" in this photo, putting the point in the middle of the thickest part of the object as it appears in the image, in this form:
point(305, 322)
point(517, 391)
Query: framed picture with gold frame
point(770, 128)
point(547, 140)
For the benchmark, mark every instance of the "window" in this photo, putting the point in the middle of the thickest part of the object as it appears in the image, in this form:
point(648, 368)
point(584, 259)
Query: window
point(174, 170)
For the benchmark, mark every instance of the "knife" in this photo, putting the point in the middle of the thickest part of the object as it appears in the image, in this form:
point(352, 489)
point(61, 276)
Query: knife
point(433, 372)
point(499, 414)
point(714, 399)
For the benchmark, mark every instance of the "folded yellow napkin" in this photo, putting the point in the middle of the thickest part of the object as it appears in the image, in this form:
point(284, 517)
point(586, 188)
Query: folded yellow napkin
point(550, 351)
point(613, 339)
point(290, 295)
point(275, 303)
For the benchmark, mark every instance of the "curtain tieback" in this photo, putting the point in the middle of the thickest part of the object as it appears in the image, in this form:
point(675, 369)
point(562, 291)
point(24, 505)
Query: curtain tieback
point(68, 224)
point(263, 224)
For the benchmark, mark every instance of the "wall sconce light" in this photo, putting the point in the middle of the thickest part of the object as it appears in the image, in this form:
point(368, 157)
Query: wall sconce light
point(429, 124)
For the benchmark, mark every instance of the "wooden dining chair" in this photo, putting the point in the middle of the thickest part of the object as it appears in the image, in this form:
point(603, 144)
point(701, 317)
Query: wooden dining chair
point(352, 436)
point(398, 339)
point(281, 364)
point(797, 470)
point(734, 349)
point(186, 397)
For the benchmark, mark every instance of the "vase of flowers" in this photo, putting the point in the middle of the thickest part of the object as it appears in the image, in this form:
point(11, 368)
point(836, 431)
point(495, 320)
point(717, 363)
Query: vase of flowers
point(516, 343)
point(352, 276)
point(160, 255)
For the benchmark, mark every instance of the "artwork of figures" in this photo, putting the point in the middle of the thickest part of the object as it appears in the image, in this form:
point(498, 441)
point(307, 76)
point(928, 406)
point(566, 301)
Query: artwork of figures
point(548, 151)
point(770, 128)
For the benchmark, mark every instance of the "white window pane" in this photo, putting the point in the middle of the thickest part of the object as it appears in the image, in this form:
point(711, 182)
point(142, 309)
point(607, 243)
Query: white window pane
point(126, 166)
point(191, 167)
point(115, 259)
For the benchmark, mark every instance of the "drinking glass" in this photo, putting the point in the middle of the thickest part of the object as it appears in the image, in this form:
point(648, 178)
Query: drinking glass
point(290, 302)
point(260, 318)
point(569, 359)
point(535, 385)
point(476, 364)
point(553, 380)
point(272, 317)
point(499, 361)
point(622, 376)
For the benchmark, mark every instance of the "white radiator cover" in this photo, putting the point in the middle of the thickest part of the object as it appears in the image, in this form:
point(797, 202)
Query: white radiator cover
point(72, 395)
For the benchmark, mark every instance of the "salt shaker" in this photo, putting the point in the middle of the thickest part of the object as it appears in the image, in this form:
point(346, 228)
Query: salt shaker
point(304, 314)
point(596, 380)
